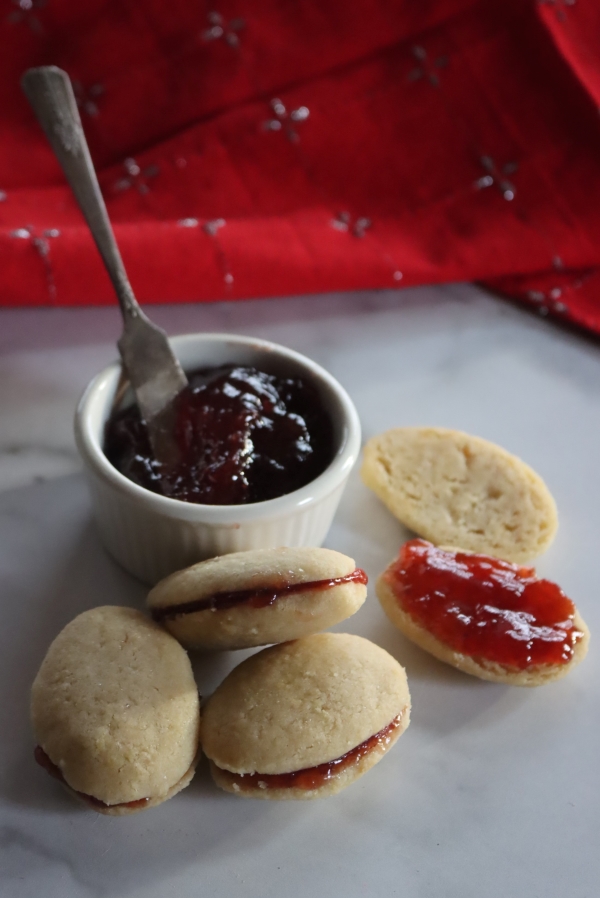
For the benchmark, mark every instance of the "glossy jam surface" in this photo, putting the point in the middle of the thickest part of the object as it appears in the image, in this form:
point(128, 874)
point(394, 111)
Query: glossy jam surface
point(243, 436)
point(483, 607)
point(253, 598)
point(44, 761)
point(313, 777)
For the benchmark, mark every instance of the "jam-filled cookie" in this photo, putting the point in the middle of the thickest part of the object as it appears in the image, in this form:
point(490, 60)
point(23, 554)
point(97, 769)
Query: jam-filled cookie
point(459, 490)
point(115, 711)
point(259, 597)
point(305, 719)
point(485, 616)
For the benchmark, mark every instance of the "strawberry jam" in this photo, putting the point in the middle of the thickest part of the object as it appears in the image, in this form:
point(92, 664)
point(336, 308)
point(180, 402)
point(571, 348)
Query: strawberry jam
point(313, 777)
point(44, 761)
point(243, 436)
point(253, 598)
point(484, 607)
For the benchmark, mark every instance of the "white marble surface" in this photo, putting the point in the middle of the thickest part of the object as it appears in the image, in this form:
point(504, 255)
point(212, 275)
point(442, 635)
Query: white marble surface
point(491, 793)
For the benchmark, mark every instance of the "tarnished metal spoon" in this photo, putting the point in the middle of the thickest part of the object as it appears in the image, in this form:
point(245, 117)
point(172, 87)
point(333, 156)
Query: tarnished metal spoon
point(154, 372)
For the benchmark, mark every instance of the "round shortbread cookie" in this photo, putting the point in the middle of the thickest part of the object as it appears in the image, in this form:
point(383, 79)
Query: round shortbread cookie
point(240, 624)
point(456, 489)
point(115, 708)
point(297, 706)
point(484, 669)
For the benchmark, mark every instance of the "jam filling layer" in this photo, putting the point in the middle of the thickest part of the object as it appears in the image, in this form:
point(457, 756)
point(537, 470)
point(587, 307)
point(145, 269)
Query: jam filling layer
point(312, 777)
point(253, 598)
point(44, 761)
point(484, 607)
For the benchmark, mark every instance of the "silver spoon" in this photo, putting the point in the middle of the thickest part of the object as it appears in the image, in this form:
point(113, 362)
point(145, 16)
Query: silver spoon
point(154, 372)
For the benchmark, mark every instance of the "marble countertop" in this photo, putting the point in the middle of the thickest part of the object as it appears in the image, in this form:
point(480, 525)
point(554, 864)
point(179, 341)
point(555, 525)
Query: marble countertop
point(492, 792)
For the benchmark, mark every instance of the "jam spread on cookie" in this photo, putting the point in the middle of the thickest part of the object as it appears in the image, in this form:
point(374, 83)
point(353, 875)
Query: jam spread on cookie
point(243, 436)
point(253, 598)
point(484, 607)
point(44, 761)
point(313, 777)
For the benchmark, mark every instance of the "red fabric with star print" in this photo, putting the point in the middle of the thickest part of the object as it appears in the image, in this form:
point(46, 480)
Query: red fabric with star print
point(410, 143)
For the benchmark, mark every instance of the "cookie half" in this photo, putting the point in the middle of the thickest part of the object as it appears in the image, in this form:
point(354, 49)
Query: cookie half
point(486, 617)
point(305, 719)
point(459, 490)
point(115, 711)
point(259, 597)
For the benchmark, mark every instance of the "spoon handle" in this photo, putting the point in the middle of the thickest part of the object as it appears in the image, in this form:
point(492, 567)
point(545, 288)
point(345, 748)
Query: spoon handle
point(154, 372)
point(49, 91)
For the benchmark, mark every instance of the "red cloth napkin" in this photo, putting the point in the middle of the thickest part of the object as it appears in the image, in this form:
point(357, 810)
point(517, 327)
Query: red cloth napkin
point(269, 147)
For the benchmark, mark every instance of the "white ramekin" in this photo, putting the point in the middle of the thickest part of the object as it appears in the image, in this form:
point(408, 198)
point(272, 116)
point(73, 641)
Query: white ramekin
point(151, 535)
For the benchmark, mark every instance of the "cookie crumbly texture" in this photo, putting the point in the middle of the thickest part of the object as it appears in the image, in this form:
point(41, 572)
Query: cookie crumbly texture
point(302, 704)
point(460, 490)
point(486, 670)
point(116, 708)
point(289, 617)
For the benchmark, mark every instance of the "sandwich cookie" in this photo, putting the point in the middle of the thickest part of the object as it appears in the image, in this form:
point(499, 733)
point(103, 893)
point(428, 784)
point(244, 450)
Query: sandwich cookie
point(115, 711)
point(458, 490)
point(485, 616)
point(259, 597)
point(305, 719)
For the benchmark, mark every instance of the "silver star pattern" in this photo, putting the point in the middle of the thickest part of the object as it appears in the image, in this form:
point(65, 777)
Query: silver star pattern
point(87, 98)
point(358, 228)
point(25, 12)
point(135, 177)
point(427, 67)
point(285, 121)
point(221, 30)
point(213, 226)
point(549, 302)
point(40, 243)
point(498, 177)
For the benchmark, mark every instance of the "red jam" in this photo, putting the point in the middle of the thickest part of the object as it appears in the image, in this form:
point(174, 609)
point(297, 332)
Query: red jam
point(253, 598)
point(44, 761)
point(313, 777)
point(484, 607)
point(243, 436)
